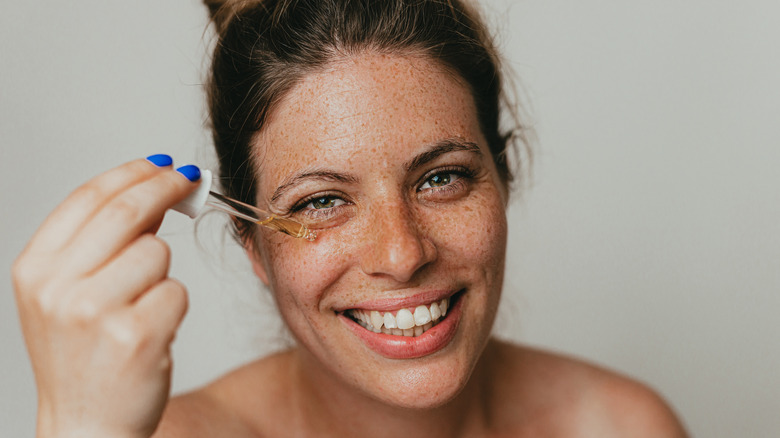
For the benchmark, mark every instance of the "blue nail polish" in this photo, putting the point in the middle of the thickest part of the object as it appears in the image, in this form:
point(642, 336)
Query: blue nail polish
point(190, 171)
point(160, 160)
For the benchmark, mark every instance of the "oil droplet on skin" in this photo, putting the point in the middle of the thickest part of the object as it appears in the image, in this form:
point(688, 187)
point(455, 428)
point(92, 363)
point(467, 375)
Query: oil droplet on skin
point(289, 227)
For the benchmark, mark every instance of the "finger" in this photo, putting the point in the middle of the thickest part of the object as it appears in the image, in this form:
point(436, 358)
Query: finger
point(63, 223)
point(155, 227)
point(138, 267)
point(162, 309)
point(124, 218)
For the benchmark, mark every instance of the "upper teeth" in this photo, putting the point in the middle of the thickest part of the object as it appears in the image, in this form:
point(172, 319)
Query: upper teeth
point(407, 322)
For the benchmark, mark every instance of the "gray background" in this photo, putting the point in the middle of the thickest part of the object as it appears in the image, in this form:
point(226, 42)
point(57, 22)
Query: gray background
point(649, 240)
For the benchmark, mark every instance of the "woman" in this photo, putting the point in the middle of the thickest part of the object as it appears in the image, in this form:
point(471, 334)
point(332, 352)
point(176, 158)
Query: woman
point(377, 123)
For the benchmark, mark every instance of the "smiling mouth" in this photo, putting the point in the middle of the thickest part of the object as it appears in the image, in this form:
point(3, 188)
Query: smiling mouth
point(409, 322)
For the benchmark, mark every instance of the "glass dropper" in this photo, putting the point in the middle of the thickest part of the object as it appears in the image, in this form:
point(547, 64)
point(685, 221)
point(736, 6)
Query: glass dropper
point(203, 196)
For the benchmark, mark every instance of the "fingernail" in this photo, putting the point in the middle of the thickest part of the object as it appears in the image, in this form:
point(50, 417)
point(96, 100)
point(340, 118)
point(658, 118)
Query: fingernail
point(160, 160)
point(190, 171)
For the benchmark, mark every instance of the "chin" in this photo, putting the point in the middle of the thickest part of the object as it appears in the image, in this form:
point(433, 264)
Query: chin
point(424, 386)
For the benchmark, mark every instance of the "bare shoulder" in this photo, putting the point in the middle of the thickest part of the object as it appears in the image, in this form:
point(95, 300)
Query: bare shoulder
point(199, 414)
point(239, 404)
point(556, 395)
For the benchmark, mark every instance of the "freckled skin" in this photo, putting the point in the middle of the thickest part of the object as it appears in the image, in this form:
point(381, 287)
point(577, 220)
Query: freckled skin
point(366, 116)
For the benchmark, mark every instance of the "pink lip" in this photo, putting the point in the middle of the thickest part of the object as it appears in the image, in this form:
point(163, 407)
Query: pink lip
point(403, 347)
point(391, 304)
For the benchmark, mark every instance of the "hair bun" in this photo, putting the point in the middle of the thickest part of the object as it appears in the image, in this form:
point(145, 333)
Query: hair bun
point(222, 11)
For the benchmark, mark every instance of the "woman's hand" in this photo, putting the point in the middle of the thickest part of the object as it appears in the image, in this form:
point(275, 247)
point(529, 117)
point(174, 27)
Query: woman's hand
point(98, 310)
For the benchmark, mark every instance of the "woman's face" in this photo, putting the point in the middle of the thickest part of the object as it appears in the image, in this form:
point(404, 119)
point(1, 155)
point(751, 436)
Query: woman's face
point(384, 156)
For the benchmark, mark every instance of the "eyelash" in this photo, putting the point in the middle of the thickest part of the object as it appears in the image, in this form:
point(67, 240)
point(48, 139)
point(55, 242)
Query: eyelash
point(318, 213)
point(463, 176)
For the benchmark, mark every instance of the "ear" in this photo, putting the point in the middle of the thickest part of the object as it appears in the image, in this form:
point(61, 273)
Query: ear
point(257, 261)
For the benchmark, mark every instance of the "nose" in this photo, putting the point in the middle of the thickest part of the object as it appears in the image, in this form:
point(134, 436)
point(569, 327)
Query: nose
point(399, 247)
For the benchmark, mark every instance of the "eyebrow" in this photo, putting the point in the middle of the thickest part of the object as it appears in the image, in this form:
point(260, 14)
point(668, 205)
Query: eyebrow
point(436, 150)
point(317, 175)
point(440, 148)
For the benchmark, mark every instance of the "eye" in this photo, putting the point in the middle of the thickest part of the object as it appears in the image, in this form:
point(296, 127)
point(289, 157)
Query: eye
point(439, 180)
point(323, 210)
point(324, 202)
point(446, 184)
point(442, 179)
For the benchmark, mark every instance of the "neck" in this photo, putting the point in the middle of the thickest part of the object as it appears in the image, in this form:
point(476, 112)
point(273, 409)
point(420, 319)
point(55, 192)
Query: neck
point(329, 407)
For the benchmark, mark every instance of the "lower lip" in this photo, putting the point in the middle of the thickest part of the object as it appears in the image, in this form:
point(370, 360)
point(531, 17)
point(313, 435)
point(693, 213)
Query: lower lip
point(408, 347)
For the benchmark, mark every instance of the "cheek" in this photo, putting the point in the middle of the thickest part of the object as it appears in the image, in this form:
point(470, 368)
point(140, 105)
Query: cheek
point(474, 234)
point(472, 246)
point(300, 271)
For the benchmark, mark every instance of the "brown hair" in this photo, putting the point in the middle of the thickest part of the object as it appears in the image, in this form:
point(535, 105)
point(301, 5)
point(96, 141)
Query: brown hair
point(266, 47)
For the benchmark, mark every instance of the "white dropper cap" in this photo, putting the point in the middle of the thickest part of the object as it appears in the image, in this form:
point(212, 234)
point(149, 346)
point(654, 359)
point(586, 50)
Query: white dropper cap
point(194, 203)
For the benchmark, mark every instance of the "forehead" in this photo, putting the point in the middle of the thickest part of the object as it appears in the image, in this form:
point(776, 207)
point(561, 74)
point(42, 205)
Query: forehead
point(375, 107)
